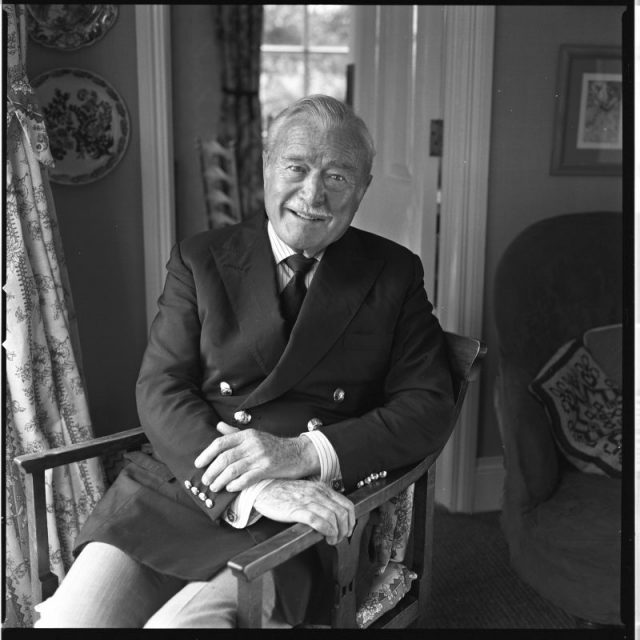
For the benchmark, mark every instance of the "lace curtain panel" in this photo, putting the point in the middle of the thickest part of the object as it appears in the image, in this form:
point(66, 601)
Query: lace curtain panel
point(239, 33)
point(46, 404)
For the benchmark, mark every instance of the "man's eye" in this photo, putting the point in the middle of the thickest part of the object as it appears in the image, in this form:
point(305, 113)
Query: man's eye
point(337, 177)
point(295, 168)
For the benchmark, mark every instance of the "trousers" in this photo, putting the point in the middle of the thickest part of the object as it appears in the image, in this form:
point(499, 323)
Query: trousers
point(106, 588)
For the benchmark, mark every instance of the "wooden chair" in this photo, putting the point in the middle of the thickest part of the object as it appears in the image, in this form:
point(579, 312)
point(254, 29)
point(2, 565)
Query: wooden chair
point(249, 567)
point(220, 182)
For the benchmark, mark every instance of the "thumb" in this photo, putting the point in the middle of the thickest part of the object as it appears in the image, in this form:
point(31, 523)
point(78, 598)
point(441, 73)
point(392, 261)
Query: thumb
point(226, 429)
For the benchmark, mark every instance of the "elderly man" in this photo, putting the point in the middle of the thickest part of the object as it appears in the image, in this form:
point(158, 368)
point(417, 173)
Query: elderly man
point(292, 357)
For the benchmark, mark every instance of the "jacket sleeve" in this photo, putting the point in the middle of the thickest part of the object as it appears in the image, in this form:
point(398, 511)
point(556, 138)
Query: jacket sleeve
point(177, 420)
point(413, 417)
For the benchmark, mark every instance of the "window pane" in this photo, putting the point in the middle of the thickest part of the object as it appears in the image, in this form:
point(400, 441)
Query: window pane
point(328, 74)
point(329, 24)
point(281, 82)
point(283, 24)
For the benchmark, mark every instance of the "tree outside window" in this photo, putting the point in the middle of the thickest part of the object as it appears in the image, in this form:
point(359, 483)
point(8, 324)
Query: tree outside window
point(305, 50)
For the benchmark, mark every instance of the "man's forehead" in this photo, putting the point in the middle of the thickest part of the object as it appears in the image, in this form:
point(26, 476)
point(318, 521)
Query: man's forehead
point(337, 145)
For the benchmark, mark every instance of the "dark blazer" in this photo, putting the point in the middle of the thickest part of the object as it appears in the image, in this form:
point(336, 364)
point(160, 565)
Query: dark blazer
point(366, 328)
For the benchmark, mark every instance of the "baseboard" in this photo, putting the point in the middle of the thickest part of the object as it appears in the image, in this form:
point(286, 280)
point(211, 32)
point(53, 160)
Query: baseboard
point(489, 478)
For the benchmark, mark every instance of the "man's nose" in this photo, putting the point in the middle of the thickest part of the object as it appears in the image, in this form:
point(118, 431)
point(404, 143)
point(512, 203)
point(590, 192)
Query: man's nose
point(313, 188)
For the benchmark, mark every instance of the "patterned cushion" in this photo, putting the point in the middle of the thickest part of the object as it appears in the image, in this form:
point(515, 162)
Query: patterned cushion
point(386, 591)
point(585, 409)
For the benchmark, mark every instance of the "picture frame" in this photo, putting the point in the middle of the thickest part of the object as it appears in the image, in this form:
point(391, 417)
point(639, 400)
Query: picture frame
point(588, 120)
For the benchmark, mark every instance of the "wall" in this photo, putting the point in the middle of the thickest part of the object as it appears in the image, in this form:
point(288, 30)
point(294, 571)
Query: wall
point(101, 228)
point(196, 107)
point(521, 191)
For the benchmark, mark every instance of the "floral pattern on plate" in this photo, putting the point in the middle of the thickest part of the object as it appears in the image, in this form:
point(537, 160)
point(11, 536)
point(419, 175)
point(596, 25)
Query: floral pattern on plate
point(87, 123)
point(70, 26)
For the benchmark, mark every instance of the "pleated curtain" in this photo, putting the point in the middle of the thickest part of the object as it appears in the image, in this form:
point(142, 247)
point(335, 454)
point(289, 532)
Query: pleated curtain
point(239, 33)
point(46, 403)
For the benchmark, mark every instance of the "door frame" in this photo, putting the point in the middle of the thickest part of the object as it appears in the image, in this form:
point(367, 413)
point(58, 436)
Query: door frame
point(468, 79)
point(153, 43)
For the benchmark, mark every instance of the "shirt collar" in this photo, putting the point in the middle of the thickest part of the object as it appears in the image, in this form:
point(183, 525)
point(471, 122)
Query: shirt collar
point(281, 250)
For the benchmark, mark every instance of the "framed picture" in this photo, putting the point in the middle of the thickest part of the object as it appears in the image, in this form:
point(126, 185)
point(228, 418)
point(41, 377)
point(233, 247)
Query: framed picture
point(588, 123)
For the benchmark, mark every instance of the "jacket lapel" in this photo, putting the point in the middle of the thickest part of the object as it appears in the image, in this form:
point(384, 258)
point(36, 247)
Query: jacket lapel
point(343, 279)
point(245, 263)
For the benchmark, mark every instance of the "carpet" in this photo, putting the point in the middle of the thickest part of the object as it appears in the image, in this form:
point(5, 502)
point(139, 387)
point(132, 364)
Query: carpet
point(473, 584)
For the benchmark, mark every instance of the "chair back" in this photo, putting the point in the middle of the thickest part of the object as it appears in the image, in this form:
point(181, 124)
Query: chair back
point(560, 277)
point(465, 356)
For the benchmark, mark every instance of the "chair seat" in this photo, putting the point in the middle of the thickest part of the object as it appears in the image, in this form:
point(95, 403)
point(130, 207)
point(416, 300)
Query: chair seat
point(584, 510)
point(573, 540)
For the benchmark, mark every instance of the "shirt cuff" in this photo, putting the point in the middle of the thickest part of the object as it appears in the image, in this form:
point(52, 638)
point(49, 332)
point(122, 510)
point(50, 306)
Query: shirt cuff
point(329, 464)
point(240, 513)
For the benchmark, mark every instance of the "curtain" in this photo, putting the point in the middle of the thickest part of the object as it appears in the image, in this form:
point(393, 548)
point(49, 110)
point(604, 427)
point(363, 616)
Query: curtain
point(46, 405)
point(239, 31)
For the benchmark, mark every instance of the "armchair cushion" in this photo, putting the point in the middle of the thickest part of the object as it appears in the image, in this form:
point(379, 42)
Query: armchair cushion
point(386, 591)
point(584, 407)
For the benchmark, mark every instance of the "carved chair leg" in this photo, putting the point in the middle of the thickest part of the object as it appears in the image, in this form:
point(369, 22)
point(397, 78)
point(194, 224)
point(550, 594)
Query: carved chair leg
point(344, 561)
point(423, 504)
point(43, 581)
point(250, 603)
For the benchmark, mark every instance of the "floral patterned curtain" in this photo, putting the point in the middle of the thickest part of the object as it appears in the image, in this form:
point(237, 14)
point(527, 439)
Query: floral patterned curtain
point(46, 404)
point(239, 30)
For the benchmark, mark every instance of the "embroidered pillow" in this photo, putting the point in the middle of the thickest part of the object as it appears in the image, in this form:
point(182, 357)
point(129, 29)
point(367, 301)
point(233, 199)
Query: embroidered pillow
point(585, 409)
point(386, 591)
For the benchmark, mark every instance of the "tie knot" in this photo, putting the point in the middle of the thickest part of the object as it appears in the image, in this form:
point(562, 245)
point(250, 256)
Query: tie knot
point(299, 264)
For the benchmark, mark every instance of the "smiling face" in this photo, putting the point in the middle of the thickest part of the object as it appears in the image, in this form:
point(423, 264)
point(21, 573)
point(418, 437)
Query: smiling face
point(313, 184)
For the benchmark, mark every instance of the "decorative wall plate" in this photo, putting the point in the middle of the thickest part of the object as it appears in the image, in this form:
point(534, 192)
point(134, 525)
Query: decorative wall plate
point(70, 26)
point(87, 123)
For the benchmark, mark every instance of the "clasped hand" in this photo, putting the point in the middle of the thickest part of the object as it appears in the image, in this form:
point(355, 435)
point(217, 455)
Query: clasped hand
point(238, 459)
point(310, 502)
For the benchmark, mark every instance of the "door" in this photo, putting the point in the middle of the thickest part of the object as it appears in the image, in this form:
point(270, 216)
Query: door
point(397, 53)
point(415, 64)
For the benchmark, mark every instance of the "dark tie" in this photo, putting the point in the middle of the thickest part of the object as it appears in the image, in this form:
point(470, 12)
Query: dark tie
point(293, 294)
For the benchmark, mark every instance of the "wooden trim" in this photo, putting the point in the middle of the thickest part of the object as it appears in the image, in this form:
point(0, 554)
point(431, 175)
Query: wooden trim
point(489, 482)
point(468, 76)
point(156, 145)
point(37, 462)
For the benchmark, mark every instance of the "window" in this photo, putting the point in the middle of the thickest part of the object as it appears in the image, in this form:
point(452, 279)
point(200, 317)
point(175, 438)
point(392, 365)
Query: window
point(305, 50)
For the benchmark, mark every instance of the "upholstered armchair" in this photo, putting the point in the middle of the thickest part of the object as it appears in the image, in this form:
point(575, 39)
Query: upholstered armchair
point(559, 280)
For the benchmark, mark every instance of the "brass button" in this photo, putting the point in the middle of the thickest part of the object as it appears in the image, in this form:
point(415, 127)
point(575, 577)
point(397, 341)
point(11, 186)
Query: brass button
point(243, 417)
point(209, 503)
point(231, 516)
point(187, 484)
point(338, 395)
point(313, 424)
point(360, 484)
point(383, 474)
point(194, 490)
point(202, 496)
point(225, 389)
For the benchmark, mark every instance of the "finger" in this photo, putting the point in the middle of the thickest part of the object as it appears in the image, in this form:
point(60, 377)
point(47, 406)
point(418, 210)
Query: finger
point(227, 466)
point(319, 519)
point(221, 464)
point(350, 511)
point(233, 472)
point(246, 480)
point(226, 429)
point(218, 445)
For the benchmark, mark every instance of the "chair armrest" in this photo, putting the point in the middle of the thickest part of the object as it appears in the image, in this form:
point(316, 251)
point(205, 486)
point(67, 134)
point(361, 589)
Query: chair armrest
point(271, 553)
point(34, 462)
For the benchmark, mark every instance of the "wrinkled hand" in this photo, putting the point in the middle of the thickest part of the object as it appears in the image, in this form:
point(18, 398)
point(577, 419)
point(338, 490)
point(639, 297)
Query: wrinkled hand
point(310, 502)
point(238, 459)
